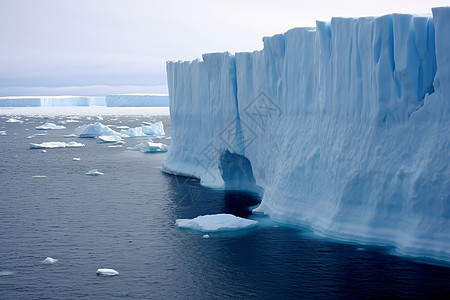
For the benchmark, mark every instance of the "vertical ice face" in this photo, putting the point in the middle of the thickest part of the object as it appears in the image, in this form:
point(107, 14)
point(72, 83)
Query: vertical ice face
point(345, 126)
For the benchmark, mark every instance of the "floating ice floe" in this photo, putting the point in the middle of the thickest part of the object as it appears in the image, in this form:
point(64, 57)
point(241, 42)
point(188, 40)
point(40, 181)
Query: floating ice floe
point(44, 151)
point(109, 139)
point(218, 222)
point(149, 147)
point(107, 272)
point(94, 172)
point(76, 158)
point(95, 130)
point(205, 236)
point(70, 135)
point(50, 126)
point(39, 176)
point(6, 273)
point(2, 132)
point(12, 120)
point(72, 121)
point(99, 118)
point(50, 145)
point(49, 261)
point(115, 146)
point(152, 129)
point(122, 127)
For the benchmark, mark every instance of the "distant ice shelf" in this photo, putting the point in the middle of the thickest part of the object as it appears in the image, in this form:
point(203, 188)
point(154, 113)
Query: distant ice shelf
point(345, 126)
point(119, 100)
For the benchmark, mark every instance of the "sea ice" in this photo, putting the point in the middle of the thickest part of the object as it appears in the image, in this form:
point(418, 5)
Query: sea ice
point(76, 159)
point(152, 129)
point(6, 273)
point(109, 139)
point(94, 130)
point(107, 272)
point(2, 132)
point(39, 176)
point(49, 261)
point(12, 120)
point(50, 126)
point(50, 145)
point(213, 223)
point(149, 147)
point(94, 172)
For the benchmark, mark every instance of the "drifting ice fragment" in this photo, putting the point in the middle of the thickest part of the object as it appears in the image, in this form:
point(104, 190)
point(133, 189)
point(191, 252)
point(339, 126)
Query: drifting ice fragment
point(107, 272)
point(44, 151)
point(109, 139)
point(94, 172)
point(70, 135)
point(39, 176)
point(50, 145)
point(76, 158)
point(94, 130)
point(150, 147)
point(212, 223)
point(6, 273)
point(206, 236)
point(2, 132)
point(152, 129)
point(12, 120)
point(50, 126)
point(49, 261)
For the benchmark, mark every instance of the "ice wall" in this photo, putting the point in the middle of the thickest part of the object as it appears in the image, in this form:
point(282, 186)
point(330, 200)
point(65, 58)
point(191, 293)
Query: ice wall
point(137, 100)
point(35, 101)
point(346, 126)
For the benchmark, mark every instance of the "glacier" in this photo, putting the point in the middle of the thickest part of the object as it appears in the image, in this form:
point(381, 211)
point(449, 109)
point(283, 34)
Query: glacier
point(344, 126)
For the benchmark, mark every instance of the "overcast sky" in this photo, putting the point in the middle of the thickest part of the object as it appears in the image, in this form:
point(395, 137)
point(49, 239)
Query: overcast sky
point(95, 47)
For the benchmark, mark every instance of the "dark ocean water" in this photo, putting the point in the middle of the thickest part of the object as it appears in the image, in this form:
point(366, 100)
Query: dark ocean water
point(125, 220)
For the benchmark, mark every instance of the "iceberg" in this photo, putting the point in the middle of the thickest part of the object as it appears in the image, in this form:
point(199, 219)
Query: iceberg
point(94, 172)
point(149, 147)
point(50, 126)
point(345, 127)
point(153, 129)
point(49, 261)
point(109, 139)
point(50, 101)
point(107, 272)
point(215, 223)
point(95, 130)
point(137, 100)
point(50, 145)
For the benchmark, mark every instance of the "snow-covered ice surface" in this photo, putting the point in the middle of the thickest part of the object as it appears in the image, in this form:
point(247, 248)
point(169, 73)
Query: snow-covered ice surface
point(49, 261)
point(137, 100)
point(107, 272)
point(346, 126)
point(49, 126)
point(150, 147)
point(215, 223)
point(50, 145)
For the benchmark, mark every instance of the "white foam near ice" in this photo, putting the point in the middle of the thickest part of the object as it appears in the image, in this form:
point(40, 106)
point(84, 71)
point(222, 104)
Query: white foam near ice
point(149, 147)
point(107, 272)
point(215, 223)
point(50, 126)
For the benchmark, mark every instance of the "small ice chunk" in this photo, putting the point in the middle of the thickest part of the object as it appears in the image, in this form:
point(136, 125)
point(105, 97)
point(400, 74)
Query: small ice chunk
point(107, 272)
point(12, 120)
point(205, 236)
point(76, 158)
point(49, 261)
point(70, 135)
point(115, 146)
point(109, 139)
point(152, 129)
point(122, 127)
point(98, 118)
point(94, 172)
point(6, 273)
point(44, 151)
point(50, 126)
point(2, 132)
point(218, 222)
point(72, 121)
point(149, 147)
point(50, 145)
point(39, 176)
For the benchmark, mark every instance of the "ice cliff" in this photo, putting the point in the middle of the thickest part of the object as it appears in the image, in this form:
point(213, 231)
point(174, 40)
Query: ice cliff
point(345, 126)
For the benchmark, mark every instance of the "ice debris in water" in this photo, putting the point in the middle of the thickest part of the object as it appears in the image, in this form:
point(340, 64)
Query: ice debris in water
point(39, 176)
point(205, 236)
point(109, 139)
point(6, 273)
point(49, 261)
point(94, 130)
point(107, 272)
point(50, 126)
point(76, 158)
point(152, 129)
point(2, 132)
point(12, 120)
point(218, 222)
point(50, 145)
point(149, 147)
point(94, 172)
point(70, 135)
